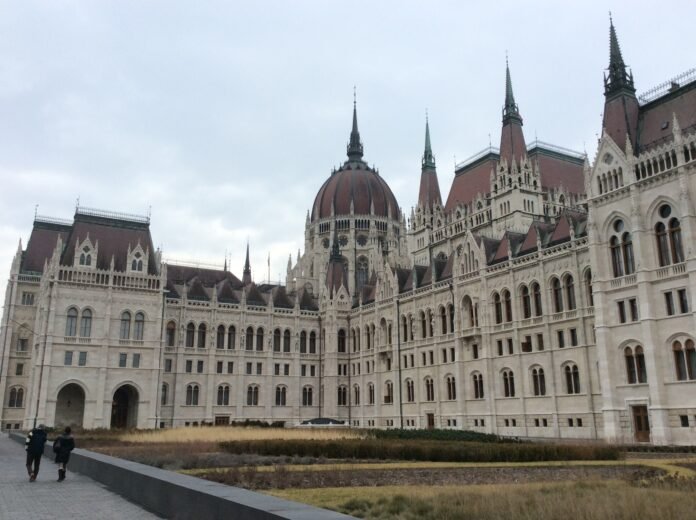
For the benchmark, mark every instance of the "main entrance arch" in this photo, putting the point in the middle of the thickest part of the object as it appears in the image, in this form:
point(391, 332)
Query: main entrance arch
point(70, 406)
point(124, 407)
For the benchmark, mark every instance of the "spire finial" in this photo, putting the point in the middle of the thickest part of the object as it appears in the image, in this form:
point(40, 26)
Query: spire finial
point(355, 147)
point(618, 78)
point(335, 249)
point(510, 110)
point(246, 276)
point(428, 157)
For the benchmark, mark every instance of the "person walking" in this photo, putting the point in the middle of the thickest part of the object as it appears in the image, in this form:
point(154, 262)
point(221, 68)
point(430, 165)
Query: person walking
point(34, 446)
point(64, 444)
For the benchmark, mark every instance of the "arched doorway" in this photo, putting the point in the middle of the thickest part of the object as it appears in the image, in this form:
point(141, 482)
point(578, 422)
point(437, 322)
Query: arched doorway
point(124, 407)
point(70, 406)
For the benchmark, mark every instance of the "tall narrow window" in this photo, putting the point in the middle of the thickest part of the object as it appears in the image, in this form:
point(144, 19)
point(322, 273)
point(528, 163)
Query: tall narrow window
point(276, 340)
point(536, 293)
point(588, 288)
point(675, 241)
point(508, 305)
point(202, 331)
point(220, 337)
point(259, 339)
point(303, 342)
point(640, 365)
point(498, 306)
point(312, 342)
point(572, 376)
point(231, 337)
point(286, 341)
point(617, 262)
point(627, 250)
point(539, 382)
point(557, 293)
point(165, 391)
point(443, 320)
point(526, 302)
point(341, 340)
point(171, 334)
point(630, 366)
point(508, 383)
point(361, 273)
point(190, 335)
point(86, 324)
point(125, 325)
point(281, 396)
point(71, 322)
point(249, 339)
point(569, 285)
point(139, 326)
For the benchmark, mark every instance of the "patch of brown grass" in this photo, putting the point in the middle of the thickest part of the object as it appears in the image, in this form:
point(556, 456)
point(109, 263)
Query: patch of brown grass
point(234, 433)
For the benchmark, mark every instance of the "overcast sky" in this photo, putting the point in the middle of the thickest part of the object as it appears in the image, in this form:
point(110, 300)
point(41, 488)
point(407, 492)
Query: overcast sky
point(226, 117)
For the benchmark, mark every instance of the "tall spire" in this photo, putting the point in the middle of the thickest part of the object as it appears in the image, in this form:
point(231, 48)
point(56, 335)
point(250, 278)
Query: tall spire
point(510, 110)
point(246, 277)
point(335, 255)
point(619, 78)
point(355, 147)
point(428, 157)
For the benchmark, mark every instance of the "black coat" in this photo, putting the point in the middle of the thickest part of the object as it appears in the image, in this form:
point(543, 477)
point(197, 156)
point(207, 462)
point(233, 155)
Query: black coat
point(35, 442)
point(64, 445)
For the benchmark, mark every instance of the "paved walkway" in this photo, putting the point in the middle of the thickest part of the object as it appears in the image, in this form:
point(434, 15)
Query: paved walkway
point(77, 498)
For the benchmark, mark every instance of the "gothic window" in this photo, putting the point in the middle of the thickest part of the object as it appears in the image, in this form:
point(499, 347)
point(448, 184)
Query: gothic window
point(423, 324)
point(307, 396)
point(276, 340)
point(202, 331)
point(356, 395)
point(404, 325)
point(627, 252)
point(569, 286)
point(223, 395)
point(16, 398)
point(388, 392)
point(86, 256)
point(139, 326)
point(526, 302)
point(429, 389)
point(303, 342)
point(443, 320)
point(220, 337)
point(286, 341)
point(684, 359)
point(508, 383)
point(171, 334)
point(477, 380)
point(451, 388)
point(125, 325)
point(71, 322)
point(588, 288)
point(86, 324)
point(192, 394)
point(450, 312)
point(508, 305)
point(669, 238)
point(281, 396)
point(231, 333)
point(617, 250)
point(252, 395)
point(137, 263)
point(341, 340)
point(498, 305)
point(557, 293)
point(164, 394)
point(342, 396)
point(361, 273)
point(190, 335)
point(312, 342)
point(538, 381)
point(370, 393)
point(635, 365)
point(259, 339)
point(410, 391)
point(572, 377)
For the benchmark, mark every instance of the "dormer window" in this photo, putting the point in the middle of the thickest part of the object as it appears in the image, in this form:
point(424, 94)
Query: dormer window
point(137, 260)
point(86, 256)
point(137, 263)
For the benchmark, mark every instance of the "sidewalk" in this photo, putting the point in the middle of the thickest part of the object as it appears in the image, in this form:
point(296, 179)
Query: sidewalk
point(77, 498)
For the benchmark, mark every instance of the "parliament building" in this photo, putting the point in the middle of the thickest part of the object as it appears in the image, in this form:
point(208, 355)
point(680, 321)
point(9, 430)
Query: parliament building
point(551, 295)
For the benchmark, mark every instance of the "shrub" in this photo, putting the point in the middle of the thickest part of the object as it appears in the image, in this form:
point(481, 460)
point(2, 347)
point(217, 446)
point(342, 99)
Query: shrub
point(438, 435)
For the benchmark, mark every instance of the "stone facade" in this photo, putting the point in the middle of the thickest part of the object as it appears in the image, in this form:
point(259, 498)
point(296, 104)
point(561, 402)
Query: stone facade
point(546, 298)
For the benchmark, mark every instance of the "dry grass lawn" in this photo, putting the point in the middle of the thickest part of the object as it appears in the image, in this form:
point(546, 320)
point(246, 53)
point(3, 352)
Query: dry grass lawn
point(234, 433)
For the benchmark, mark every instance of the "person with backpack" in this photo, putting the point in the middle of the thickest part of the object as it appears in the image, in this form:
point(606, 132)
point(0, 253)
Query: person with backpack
point(62, 447)
point(34, 446)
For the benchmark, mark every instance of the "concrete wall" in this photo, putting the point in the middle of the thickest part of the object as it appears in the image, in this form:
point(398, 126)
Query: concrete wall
point(181, 497)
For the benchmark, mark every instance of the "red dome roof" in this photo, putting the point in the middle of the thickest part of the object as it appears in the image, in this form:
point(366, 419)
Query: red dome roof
point(355, 182)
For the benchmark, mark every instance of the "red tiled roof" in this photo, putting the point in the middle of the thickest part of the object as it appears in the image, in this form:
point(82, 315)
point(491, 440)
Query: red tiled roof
point(183, 273)
point(336, 276)
point(621, 119)
point(42, 242)
point(512, 143)
point(470, 182)
point(655, 114)
point(556, 171)
point(429, 191)
point(363, 187)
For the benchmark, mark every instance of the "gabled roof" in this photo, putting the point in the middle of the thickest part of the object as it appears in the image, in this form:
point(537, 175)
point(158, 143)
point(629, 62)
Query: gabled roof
point(510, 243)
point(254, 296)
point(566, 221)
point(471, 180)
point(226, 292)
point(180, 274)
point(307, 302)
point(402, 276)
point(490, 247)
point(196, 291)
point(336, 276)
point(281, 298)
point(537, 229)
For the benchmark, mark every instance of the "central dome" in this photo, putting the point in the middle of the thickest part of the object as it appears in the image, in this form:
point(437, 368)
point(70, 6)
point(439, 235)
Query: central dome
point(355, 186)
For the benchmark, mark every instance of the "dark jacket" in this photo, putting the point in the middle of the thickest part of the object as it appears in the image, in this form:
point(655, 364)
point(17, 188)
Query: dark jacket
point(35, 442)
point(64, 445)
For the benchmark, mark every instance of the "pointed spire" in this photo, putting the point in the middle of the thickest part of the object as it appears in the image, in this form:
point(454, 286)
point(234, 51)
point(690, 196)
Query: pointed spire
point(246, 276)
point(428, 157)
point(355, 147)
point(510, 110)
point(335, 249)
point(619, 78)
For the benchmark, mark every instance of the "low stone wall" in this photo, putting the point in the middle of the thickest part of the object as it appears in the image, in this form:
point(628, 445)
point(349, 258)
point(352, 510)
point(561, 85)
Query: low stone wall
point(180, 497)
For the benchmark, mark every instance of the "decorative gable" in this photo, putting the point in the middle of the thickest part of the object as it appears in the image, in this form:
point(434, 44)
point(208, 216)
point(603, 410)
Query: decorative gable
point(137, 259)
point(86, 253)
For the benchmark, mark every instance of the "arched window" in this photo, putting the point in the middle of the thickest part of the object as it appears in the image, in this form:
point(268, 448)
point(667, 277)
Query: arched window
point(423, 324)
point(557, 294)
point(507, 299)
point(361, 273)
point(443, 320)
point(388, 392)
point(86, 324)
point(276, 340)
point(526, 302)
point(125, 325)
point(220, 337)
point(450, 313)
point(249, 339)
point(618, 251)
point(572, 376)
point(231, 337)
point(410, 391)
point(307, 396)
point(164, 394)
point(286, 341)
point(259, 339)
point(190, 335)
point(498, 304)
point(630, 366)
point(192, 393)
point(312, 342)
point(662, 244)
point(252, 395)
point(223, 395)
point(303, 342)
point(477, 380)
point(508, 383)
point(635, 365)
point(341, 340)
point(371, 393)
point(569, 286)
point(139, 328)
point(451, 388)
point(16, 398)
point(588, 288)
point(685, 359)
point(627, 250)
point(202, 330)
point(675, 241)
point(137, 263)
point(668, 236)
point(281, 396)
point(616, 259)
point(429, 389)
point(342, 396)
point(404, 325)
point(538, 381)
point(171, 334)
point(536, 295)
point(356, 395)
